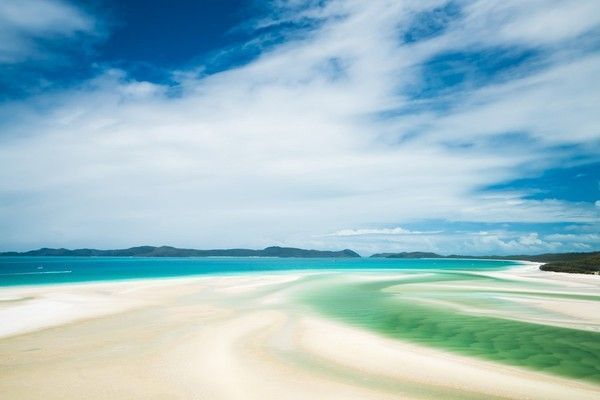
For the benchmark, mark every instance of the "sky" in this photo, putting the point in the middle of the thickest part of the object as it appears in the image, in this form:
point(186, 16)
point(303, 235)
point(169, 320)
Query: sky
point(459, 127)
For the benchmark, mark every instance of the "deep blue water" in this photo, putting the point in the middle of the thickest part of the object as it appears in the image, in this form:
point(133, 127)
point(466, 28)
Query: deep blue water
point(52, 270)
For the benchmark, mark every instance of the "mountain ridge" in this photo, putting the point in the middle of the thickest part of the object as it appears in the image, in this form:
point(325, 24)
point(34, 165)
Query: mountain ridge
point(169, 251)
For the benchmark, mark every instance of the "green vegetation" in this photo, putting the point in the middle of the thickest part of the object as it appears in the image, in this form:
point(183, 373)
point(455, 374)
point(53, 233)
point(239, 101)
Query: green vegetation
point(586, 265)
point(568, 352)
point(581, 263)
point(167, 251)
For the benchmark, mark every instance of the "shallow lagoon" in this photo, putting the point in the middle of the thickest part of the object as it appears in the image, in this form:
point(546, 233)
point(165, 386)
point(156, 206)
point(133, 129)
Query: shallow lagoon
point(430, 309)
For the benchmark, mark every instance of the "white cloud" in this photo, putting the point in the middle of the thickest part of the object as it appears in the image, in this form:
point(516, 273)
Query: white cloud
point(547, 22)
point(284, 149)
point(24, 22)
point(379, 231)
point(591, 238)
point(492, 242)
point(531, 239)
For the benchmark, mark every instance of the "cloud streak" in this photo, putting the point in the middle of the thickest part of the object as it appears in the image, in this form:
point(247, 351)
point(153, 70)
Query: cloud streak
point(27, 27)
point(377, 231)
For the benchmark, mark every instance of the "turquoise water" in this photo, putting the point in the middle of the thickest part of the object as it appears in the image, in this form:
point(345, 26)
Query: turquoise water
point(562, 351)
point(54, 270)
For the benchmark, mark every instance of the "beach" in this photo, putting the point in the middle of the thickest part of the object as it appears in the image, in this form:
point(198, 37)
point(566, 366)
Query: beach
point(253, 336)
point(299, 200)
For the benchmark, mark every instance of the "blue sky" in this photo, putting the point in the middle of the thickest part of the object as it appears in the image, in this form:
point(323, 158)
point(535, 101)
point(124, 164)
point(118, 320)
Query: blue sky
point(464, 127)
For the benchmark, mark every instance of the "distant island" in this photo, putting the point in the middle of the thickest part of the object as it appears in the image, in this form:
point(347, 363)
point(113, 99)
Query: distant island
point(168, 251)
point(581, 263)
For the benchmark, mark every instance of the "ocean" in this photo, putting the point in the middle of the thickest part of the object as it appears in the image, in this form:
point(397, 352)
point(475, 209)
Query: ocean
point(56, 270)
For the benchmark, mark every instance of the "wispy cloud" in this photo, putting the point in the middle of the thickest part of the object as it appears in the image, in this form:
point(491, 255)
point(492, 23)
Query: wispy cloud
point(322, 131)
point(380, 231)
point(27, 27)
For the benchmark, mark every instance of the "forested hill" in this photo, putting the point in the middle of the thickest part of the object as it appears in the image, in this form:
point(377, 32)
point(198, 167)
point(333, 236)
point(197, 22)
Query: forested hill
point(167, 251)
point(583, 263)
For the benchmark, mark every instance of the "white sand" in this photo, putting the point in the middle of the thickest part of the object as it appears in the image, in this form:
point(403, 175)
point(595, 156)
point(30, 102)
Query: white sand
point(408, 362)
point(234, 337)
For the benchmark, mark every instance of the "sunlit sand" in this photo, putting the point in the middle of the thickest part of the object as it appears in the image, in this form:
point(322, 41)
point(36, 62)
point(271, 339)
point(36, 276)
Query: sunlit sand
point(266, 336)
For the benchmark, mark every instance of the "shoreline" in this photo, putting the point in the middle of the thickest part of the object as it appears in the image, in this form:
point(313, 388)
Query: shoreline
point(512, 264)
point(181, 336)
point(105, 303)
point(42, 297)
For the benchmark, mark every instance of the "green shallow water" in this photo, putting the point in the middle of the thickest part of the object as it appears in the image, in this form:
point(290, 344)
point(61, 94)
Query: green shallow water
point(568, 352)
